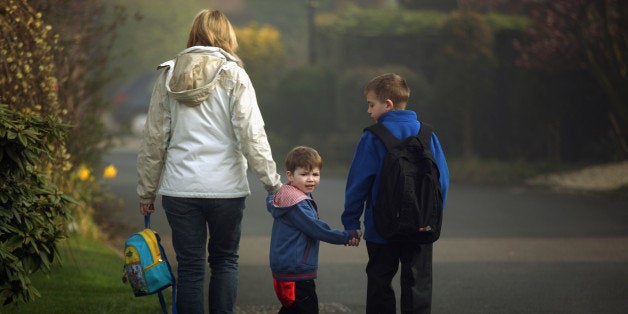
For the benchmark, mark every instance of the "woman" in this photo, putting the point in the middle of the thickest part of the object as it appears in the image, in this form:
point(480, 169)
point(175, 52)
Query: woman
point(203, 126)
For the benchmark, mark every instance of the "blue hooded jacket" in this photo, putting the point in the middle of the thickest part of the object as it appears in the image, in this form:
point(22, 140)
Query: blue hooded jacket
point(363, 179)
point(296, 234)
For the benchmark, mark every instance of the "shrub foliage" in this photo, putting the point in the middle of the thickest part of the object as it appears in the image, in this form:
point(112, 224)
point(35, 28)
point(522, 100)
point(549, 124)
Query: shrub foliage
point(32, 209)
point(33, 159)
point(27, 53)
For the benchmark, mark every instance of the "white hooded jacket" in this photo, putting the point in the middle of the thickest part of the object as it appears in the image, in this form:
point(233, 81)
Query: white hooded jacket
point(203, 125)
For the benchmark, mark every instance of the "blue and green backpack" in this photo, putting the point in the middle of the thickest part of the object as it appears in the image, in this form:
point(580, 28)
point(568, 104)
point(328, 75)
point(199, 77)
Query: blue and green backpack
point(146, 267)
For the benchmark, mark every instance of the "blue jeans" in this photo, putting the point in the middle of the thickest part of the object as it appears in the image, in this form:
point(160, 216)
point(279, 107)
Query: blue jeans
point(190, 219)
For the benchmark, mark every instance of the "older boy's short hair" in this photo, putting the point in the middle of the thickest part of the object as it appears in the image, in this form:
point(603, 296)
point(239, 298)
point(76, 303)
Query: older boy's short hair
point(304, 157)
point(390, 86)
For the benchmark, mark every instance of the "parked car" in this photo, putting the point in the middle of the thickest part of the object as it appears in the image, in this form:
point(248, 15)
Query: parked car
point(130, 103)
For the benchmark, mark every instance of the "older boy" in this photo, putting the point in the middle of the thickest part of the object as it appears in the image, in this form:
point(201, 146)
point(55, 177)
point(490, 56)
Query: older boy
point(386, 97)
point(297, 231)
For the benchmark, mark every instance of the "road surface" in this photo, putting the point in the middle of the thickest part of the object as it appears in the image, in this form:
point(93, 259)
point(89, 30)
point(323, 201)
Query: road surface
point(503, 250)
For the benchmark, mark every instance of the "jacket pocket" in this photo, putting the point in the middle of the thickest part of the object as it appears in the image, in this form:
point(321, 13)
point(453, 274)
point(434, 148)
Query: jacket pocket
point(306, 253)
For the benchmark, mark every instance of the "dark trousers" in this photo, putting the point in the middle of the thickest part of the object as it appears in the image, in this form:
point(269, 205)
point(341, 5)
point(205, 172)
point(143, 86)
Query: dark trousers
point(306, 300)
point(416, 277)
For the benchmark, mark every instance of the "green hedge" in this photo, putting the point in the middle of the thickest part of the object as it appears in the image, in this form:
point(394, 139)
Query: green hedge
point(482, 104)
point(393, 22)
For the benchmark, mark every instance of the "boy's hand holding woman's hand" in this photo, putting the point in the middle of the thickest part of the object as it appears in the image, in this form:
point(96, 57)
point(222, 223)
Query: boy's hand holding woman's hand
point(355, 241)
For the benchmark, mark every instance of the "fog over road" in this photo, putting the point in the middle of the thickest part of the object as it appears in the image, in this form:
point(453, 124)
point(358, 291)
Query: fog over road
point(503, 250)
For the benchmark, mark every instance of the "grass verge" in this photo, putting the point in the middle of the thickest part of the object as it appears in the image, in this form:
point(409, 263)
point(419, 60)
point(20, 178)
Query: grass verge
point(88, 281)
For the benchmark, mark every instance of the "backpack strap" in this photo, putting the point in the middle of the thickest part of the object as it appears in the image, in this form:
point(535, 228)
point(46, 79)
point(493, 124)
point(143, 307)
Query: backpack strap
point(425, 136)
point(384, 135)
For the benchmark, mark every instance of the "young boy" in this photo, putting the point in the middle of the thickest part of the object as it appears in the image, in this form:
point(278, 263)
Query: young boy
point(297, 231)
point(386, 97)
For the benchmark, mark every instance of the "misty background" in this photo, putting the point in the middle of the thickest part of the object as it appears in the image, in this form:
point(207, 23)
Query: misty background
point(515, 89)
point(494, 87)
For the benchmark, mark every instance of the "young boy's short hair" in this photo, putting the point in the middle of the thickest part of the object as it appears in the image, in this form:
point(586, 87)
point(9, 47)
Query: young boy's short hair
point(304, 157)
point(390, 86)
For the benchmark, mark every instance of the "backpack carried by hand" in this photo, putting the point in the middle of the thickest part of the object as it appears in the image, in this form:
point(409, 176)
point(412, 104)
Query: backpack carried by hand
point(409, 206)
point(146, 267)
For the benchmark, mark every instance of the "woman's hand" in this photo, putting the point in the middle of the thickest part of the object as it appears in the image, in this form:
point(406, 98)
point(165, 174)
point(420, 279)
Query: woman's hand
point(147, 209)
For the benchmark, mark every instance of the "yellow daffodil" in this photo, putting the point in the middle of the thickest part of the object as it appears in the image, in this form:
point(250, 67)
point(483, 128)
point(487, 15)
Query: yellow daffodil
point(83, 173)
point(110, 172)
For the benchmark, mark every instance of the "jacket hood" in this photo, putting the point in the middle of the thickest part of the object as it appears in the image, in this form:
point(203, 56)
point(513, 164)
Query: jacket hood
point(285, 198)
point(193, 73)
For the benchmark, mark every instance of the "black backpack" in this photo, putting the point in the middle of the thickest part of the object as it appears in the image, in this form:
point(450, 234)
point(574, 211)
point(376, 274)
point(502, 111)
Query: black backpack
point(409, 206)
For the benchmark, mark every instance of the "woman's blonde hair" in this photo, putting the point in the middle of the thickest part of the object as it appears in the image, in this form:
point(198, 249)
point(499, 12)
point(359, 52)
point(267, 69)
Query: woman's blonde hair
point(212, 28)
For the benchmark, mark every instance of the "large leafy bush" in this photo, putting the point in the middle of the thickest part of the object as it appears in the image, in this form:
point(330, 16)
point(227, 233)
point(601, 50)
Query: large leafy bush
point(33, 158)
point(32, 209)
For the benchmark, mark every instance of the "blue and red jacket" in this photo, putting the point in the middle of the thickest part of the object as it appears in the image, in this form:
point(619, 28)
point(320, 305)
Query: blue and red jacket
point(296, 233)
